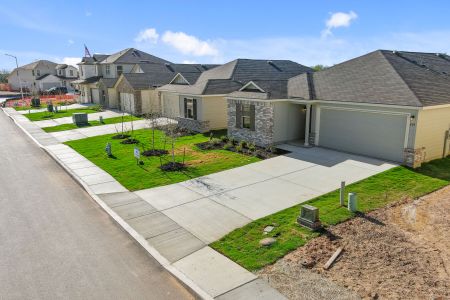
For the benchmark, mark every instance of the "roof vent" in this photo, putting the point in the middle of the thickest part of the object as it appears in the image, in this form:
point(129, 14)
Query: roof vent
point(273, 65)
point(169, 66)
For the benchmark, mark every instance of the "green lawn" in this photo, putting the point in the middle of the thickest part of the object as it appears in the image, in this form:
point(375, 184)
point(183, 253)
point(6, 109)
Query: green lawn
point(45, 115)
point(123, 166)
point(241, 245)
point(18, 108)
point(114, 120)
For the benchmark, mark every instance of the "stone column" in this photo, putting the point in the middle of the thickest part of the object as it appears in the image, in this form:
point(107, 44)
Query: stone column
point(308, 117)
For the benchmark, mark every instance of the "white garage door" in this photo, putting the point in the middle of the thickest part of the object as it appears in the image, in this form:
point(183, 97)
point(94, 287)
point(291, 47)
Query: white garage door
point(127, 102)
point(95, 96)
point(363, 132)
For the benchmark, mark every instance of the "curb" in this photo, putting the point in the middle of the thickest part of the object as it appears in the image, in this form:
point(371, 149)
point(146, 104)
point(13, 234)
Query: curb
point(185, 281)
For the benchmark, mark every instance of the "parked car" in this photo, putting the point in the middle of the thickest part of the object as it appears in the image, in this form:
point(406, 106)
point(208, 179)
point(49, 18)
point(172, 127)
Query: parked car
point(57, 90)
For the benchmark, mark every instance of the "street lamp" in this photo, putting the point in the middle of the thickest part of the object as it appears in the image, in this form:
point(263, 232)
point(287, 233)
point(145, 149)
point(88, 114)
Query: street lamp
point(18, 76)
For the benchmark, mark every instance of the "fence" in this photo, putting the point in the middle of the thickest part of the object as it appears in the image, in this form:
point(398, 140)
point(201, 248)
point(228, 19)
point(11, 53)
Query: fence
point(55, 99)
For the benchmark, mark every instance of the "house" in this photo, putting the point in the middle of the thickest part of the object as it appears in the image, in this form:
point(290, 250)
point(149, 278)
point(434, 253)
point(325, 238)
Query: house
point(137, 90)
point(387, 104)
point(202, 106)
point(42, 75)
point(99, 73)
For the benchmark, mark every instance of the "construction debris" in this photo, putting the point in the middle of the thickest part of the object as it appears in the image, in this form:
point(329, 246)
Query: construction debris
point(333, 258)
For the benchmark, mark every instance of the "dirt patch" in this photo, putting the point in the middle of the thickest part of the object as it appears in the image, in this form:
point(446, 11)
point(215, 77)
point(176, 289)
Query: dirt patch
point(398, 252)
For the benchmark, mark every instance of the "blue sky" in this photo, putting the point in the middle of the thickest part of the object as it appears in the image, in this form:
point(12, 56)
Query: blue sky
point(309, 32)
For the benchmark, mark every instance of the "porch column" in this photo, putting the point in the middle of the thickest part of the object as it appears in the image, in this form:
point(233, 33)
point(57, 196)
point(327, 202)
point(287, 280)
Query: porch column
point(308, 117)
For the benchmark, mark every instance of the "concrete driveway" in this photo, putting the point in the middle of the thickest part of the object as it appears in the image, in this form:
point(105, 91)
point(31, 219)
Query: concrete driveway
point(211, 206)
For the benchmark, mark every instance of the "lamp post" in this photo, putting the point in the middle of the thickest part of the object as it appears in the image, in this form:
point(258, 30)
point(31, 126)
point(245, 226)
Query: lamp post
point(18, 76)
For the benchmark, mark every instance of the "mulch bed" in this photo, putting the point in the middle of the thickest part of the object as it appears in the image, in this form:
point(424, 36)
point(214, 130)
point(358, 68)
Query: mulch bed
point(172, 166)
point(120, 136)
point(129, 141)
point(155, 152)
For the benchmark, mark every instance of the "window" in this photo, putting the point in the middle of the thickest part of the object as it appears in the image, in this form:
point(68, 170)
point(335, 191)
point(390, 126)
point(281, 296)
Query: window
point(81, 70)
point(245, 116)
point(59, 72)
point(190, 108)
point(71, 72)
point(119, 70)
point(107, 69)
point(38, 72)
point(32, 72)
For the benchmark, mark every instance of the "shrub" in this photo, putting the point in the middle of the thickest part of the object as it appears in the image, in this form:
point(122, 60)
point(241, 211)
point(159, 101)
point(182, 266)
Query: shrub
point(251, 147)
point(270, 149)
point(216, 141)
point(97, 107)
point(227, 146)
point(232, 140)
point(239, 148)
point(243, 144)
point(224, 138)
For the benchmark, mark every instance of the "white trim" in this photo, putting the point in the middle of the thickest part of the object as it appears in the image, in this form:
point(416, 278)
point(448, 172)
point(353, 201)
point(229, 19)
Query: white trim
point(406, 114)
point(179, 74)
point(436, 106)
point(251, 83)
point(317, 126)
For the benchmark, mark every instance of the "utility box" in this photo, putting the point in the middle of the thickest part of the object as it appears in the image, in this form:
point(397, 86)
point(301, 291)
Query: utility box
point(309, 217)
point(80, 119)
point(352, 202)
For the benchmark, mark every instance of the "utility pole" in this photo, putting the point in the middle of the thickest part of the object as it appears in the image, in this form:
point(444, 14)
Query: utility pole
point(18, 76)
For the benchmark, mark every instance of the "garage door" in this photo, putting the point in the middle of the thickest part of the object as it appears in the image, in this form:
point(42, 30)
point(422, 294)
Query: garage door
point(95, 96)
point(127, 102)
point(367, 133)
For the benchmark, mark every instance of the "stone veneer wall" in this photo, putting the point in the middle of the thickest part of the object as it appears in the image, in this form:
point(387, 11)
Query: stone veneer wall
point(264, 124)
point(414, 157)
point(194, 125)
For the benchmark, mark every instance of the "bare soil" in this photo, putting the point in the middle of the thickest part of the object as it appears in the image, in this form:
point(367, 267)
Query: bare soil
point(398, 252)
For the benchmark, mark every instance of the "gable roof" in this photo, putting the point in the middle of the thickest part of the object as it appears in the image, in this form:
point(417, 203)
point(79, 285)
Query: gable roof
point(233, 75)
point(143, 81)
point(380, 77)
point(132, 56)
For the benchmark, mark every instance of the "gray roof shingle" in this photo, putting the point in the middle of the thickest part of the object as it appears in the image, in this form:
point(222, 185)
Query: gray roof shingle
point(231, 76)
point(132, 56)
point(380, 77)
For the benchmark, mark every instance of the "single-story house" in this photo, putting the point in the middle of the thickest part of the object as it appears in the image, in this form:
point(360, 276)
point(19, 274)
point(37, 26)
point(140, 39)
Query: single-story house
point(137, 90)
point(203, 106)
point(387, 104)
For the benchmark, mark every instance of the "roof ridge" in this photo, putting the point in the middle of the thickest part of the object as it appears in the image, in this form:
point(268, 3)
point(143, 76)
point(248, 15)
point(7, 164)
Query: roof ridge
point(427, 68)
point(400, 76)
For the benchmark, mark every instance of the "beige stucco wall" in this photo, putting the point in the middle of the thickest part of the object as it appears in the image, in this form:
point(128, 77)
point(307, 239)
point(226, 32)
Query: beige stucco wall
point(170, 104)
point(432, 125)
point(289, 122)
point(150, 101)
point(213, 110)
point(113, 98)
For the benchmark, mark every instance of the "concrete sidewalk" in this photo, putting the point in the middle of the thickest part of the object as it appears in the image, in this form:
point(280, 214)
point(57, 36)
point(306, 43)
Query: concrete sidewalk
point(185, 255)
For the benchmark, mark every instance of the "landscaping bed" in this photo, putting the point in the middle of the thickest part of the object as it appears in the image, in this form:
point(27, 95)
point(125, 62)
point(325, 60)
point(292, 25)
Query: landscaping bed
point(243, 147)
point(242, 245)
point(45, 115)
point(114, 120)
point(398, 252)
point(123, 167)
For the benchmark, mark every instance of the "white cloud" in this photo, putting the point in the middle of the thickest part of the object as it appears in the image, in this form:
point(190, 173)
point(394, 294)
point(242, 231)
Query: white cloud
point(339, 19)
point(188, 61)
point(70, 61)
point(189, 44)
point(88, 13)
point(147, 35)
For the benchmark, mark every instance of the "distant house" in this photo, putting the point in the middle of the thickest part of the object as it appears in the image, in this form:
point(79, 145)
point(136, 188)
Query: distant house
point(99, 73)
point(42, 75)
point(137, 90)
point(202, 106)
point(386, 104)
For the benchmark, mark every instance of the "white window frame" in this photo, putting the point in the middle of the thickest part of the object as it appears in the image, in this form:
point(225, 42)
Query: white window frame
point(246, 121)
point(189, 108)
point(107, 69)
point(117, 70)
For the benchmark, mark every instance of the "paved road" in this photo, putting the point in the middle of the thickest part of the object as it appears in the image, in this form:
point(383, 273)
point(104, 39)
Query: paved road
point(55, 242)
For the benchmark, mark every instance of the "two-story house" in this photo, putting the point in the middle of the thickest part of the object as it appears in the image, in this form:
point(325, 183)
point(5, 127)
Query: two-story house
point(28, 75)
point(99, 73)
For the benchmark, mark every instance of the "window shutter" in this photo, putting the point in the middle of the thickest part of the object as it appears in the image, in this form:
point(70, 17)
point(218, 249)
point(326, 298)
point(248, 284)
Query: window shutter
point(238, 115)
point(252, 117)
point(194, 105)
point(185, 108)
